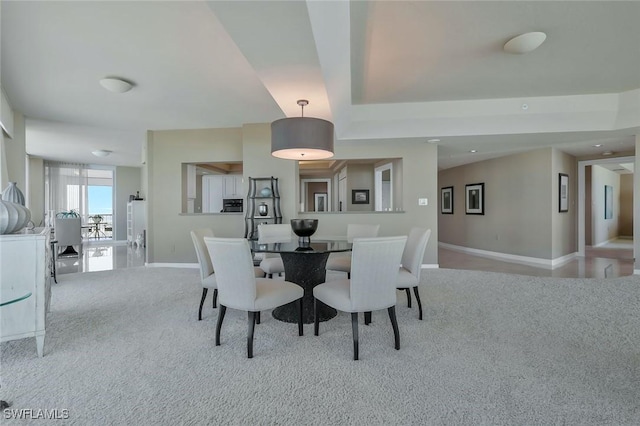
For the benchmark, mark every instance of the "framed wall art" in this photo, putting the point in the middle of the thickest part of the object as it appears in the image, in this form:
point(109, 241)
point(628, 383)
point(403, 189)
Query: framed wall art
point(474, 197)
point(608, 202)
point(446, 200)
point(360, 196)
point(563, 192)
point(320, 201)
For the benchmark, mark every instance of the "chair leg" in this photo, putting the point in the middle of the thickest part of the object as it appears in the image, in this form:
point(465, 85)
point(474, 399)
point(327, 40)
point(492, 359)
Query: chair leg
point(349, 275)
point(223, 310)
point(270, 275)
point(394, 324)
point(300, 328)
point(204, 296)
point(354, 326)
point(316, 320)
point(257, 317)
point(367, 318)
point(415, 291)
point(215, 297)
point(252, 324)
point(408, 291)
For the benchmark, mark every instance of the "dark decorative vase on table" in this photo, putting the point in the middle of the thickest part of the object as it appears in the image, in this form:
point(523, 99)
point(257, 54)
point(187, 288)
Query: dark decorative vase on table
point(304, 229)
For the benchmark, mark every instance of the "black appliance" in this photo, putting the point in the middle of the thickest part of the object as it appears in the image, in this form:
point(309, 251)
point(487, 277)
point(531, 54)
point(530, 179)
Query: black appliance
point(232, 205)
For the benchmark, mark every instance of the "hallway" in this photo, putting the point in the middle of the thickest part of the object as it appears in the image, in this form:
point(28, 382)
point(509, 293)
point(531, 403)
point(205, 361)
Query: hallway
point(612, 260)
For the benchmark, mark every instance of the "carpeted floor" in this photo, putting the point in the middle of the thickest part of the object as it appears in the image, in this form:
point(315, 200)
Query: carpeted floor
point(124, 347)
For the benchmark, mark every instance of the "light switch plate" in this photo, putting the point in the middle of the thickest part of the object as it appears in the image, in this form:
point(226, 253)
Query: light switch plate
point(423, 202)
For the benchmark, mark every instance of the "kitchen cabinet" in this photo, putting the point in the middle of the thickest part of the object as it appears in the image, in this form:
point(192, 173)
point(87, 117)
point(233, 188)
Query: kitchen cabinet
point(216, 188)
point(232, 186)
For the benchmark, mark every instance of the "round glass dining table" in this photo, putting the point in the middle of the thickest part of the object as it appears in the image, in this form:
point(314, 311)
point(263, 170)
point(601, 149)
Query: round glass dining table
point(304, 264)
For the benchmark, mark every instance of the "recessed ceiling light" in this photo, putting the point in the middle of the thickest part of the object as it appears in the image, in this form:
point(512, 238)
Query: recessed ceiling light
point(101, 152)
point(598, 145)
point(525, 43)
point(525, 106)
point(115, 84)
point(433, 140)
point(473, 151)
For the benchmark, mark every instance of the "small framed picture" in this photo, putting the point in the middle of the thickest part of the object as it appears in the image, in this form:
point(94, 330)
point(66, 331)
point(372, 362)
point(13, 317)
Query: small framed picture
point(360, 196)
point(474, 198)
point(446, 200)
point(608, 202)
point(320, 201)
point(563, 192)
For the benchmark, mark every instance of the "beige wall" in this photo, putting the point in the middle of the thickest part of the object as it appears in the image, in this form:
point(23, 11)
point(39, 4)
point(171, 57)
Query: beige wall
point(603, 229)
point(16, 155)
point(168, 239)
point(419, 176)
point(360, 176)
point(625, 228)
point(588, 207)
point(521, 205)
point(564, 233)
point(35, 191)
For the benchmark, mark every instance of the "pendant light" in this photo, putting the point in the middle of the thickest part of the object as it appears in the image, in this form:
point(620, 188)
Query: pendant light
point(302, 138)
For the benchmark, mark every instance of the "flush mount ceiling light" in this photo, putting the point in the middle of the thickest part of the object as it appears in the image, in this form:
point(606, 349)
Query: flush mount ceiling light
point(435, 140)
point(302, 138)
point(525, 43)
point(101, 152)
point(115, 84)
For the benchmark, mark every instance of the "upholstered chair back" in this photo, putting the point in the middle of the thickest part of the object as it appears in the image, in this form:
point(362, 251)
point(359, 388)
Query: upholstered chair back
point(197, 235)
point(364, 231)
point(274, 233)
point(414, 250)
point(232, 261)
point(374, 270)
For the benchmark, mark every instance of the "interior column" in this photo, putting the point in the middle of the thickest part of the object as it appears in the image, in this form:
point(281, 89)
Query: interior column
point(636, 209)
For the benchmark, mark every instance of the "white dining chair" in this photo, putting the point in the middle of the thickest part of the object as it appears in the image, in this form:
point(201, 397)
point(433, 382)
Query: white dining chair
point(68, 232)
point(372, 286)
point(207, 276)
point(409, 275)
point(271, 263)
point(342, 262)
point(239, 288)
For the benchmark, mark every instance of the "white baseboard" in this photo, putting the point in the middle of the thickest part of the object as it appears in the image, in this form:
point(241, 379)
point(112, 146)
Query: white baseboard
point(172, 265)
point(505, 257)
point(636, 272)
point(430, 266)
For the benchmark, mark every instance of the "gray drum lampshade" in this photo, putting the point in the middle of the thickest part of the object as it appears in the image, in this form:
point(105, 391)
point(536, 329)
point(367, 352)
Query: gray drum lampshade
point(302, 138)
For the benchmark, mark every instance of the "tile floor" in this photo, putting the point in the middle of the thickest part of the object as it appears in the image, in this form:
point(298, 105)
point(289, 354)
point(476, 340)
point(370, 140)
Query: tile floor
point(102, 255)
point(610, 261)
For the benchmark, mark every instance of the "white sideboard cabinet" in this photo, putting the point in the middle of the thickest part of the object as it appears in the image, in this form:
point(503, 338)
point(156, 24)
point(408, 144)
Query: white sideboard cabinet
point(25, 268)
point(136, 220)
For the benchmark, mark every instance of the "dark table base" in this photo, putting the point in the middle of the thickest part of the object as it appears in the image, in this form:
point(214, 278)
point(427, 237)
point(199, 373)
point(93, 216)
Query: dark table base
point(307, 270)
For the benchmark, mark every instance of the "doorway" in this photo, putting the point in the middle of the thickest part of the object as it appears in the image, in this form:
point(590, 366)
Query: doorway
point(595, 215)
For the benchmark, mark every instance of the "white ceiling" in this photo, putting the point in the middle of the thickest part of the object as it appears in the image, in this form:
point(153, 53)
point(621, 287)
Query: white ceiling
point(379, 70)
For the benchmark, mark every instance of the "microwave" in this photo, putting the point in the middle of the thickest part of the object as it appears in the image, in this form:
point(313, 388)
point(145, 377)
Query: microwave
point(232, 205)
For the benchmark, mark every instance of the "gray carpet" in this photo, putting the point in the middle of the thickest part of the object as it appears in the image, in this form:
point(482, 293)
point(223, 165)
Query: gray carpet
point(125, 347)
